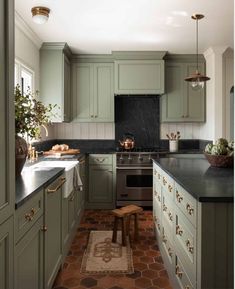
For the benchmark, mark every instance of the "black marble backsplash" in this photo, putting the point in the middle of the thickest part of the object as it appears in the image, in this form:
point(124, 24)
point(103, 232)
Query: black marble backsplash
point(138, 115)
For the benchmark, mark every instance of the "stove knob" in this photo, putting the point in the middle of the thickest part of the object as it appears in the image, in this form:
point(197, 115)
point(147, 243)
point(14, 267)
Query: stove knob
point(140, 158)
point(129, 158)
point(121, 158)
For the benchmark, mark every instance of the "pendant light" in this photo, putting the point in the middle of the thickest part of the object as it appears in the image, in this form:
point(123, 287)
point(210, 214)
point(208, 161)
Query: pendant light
point(40, 14)
point(197, 80)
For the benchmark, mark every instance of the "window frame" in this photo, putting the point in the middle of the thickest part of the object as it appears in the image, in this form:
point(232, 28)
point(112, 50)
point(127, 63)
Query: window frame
point(20, 67)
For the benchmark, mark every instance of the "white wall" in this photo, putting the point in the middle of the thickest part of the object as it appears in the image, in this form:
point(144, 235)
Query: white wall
point(27, 45)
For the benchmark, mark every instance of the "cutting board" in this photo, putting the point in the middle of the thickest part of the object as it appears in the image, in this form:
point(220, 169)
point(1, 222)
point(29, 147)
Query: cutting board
point(68, 152)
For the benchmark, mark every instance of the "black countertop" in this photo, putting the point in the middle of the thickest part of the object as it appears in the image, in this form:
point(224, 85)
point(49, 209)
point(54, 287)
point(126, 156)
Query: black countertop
point(30, 182)
point(197, 177)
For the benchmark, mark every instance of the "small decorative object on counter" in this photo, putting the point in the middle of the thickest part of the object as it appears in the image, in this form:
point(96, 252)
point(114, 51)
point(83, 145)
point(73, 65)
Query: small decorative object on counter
point(128, 141)
point(173, 141)
point(220, 154)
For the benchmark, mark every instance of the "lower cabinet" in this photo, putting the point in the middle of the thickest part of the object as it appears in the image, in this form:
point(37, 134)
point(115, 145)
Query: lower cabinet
point(6, 254)
point(101, 182)
point(196, 246)
point(29, 259)
point(53, 231)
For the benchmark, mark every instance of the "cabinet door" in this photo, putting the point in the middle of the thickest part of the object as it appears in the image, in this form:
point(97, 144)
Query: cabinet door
point(100, 184)
point(6, 254)
point(71, 210)
point(29, 259)
point(67, 90)
point(53, 246)
point(172, 106)
point(194, 100)
point(139, 77)
point(82, 91)
point(7, 124)
point(103, 92)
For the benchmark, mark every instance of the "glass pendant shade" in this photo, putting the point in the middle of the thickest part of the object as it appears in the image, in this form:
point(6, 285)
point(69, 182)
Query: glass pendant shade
point(40, 14)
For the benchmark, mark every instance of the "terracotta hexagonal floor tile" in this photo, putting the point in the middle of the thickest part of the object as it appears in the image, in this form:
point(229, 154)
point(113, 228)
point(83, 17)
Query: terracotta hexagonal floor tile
point(88, 282)
point(107, 282)
point(156, 266)
point(125, 282)
point(163, 273)
point(146, 260)
point(71, 282)
point(149, 274)
point(161, 282)
point(135, 275)
point(115, 287)
point(140, 266)
point(138, 253)
point(151, 253)
point(159, 259)
point(143, 283)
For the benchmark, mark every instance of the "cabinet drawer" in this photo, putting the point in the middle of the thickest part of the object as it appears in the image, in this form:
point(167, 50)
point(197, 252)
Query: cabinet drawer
point(168, 184)
point(167, 209)
point(157, 218)
point(168, 249)
point(28, 214)
point(182, 278)
point(101, 159)
point(186, 203)
point(157, 173)
point(185, 243)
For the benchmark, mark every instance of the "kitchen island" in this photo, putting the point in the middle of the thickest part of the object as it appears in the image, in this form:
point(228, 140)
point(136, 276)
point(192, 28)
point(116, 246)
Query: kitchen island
point(193, 216)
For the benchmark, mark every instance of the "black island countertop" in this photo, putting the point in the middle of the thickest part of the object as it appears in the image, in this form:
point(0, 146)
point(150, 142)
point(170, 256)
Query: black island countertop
point(30, 182)
point(198, 178)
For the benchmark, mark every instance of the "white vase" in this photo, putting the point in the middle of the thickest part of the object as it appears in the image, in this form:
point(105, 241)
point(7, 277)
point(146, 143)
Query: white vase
point(173, 145)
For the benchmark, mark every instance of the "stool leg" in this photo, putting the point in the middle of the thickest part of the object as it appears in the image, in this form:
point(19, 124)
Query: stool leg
point(136, 227)
point(128, 219)
point(124, 231)
point(115, 227)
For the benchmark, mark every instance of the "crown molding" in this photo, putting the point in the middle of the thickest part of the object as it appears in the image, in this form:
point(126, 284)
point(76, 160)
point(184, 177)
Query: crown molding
point(24, 27)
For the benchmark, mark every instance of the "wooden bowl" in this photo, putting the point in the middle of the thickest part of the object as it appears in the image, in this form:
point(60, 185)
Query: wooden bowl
point(221, 161)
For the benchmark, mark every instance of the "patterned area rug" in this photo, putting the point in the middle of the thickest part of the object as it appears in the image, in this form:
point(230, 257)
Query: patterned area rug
point(103, 256)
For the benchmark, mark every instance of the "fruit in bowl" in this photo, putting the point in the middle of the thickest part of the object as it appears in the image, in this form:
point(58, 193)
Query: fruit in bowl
point(220, 154)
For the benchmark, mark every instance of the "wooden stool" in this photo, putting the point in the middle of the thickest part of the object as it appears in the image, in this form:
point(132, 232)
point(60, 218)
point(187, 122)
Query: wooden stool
point(124, 214)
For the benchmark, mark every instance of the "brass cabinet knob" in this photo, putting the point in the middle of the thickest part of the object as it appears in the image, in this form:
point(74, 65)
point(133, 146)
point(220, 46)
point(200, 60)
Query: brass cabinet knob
point(169, 252)
point(159, 176)
point(159, 199)
point(164, 208)
point(170, 188)
point(92, 115)
point(28, 217)
point(179, 231)
point(189, 209)
point(154, 172)
point(96, 116)
point(170, 216)
point(44, 228)
point(155, 192)
point(189, 246)
point(159, 227)
point(178, 272)
point(164, 181)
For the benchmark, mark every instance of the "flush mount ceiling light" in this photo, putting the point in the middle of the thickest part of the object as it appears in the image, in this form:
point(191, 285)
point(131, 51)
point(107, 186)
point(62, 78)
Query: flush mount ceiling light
point(197, 80)
point(40, 14)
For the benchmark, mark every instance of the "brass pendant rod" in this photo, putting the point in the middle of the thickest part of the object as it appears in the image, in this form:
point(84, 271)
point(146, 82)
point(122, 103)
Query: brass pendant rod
point(197, 41)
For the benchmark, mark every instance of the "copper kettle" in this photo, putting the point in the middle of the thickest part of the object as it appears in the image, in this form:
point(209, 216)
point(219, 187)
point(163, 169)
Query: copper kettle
point(128, 142)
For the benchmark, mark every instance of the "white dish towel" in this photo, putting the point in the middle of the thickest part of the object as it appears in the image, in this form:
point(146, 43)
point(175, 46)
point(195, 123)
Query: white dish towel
point(73, 180)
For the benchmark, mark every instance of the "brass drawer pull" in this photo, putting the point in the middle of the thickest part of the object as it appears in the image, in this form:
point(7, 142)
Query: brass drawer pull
point(170, 216)
point(63, 180)
point(178, 272)
point(158, 226)
point(169, 252)
point(29, 216)
point(189, 246)
point(159, 176)
point(189, 209)
point(170, 188)
point(155, 192)
point(179, 231)
point(159, 199)
point(178, 197)
point(44, 228)
point(155, 172)
point(164, 208)
point(164, 239)
point(164, 181)
point(100, 160)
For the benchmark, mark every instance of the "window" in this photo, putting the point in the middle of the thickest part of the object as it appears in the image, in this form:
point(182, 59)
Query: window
point(24, 76)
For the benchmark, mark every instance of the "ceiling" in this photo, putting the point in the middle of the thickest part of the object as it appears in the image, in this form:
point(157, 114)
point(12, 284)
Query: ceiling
point(102, 26)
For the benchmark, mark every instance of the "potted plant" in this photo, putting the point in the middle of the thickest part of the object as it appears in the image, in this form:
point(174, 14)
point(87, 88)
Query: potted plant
point(30, 115)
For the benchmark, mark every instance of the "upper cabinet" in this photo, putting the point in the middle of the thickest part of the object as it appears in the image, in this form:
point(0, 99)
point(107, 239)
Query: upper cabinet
point(139, 77)
point(181, 103)
point(92, 92)
point(55, 84)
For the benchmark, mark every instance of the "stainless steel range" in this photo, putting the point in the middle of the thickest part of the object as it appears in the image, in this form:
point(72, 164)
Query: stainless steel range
point(135, 176)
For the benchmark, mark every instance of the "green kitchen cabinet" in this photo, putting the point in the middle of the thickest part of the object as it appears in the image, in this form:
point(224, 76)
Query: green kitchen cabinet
point(7, 122)
point(181, 103)
point(55, 82)
point(139, 77)
point(53, 226)
point(6, 254)
point(71, 211)
point(101, 181)
point(93, 93)
point(28, 259)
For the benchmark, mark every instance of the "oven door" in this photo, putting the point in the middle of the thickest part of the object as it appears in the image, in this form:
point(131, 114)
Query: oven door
point(134, 184)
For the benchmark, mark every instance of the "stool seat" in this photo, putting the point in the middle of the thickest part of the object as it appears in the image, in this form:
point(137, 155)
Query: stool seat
point(124, 214)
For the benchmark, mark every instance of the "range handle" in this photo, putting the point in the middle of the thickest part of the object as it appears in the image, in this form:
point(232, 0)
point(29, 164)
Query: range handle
point(134, 168)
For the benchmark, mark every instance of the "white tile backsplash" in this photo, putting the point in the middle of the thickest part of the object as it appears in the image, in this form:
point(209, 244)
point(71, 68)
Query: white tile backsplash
point(187, 130)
